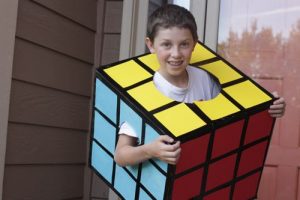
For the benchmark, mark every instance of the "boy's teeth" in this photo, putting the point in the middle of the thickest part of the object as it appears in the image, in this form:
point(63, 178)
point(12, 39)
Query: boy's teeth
point(175, 62)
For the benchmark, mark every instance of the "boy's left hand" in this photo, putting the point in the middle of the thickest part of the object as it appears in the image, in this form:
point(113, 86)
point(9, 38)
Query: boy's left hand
point(277, 109)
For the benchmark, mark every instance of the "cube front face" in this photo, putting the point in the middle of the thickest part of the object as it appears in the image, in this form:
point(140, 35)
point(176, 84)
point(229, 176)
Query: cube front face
point(225, 162)
point(223, 141)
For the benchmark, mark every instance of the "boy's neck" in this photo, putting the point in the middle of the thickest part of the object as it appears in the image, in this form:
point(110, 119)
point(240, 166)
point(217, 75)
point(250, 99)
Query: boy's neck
point(181, 81)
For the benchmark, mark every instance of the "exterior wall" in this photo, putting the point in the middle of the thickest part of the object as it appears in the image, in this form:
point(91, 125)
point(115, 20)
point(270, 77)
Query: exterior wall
point(8, 18)
point(51, 90)
point(107, 47)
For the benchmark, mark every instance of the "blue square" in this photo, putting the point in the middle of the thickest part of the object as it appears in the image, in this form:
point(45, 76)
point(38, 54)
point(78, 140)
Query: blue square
point(150, 135)
point(153, 180)
point(102, 162)
point(106, 100)
point(124, 184)
point(104, 132)
point(144, 195)
point(129, 115)
point(133, 170)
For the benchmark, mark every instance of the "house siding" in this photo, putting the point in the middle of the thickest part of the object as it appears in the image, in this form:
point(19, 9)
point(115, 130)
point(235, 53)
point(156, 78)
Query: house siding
point(51, 89)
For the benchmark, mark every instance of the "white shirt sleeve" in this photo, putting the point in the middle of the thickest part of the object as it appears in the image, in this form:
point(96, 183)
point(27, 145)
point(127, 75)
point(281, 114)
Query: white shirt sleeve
point(127, 129)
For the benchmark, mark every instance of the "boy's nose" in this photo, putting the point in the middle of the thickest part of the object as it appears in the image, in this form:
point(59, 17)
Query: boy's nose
point(175, 52)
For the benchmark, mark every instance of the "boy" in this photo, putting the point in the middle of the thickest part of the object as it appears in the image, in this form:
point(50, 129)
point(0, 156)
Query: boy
point(172, 35)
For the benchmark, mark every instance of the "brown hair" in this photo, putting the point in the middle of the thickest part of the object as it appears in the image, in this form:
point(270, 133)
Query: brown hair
point(169, 16)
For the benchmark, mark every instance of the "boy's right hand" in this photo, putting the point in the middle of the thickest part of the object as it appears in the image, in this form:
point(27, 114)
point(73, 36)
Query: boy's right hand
point(165, 149)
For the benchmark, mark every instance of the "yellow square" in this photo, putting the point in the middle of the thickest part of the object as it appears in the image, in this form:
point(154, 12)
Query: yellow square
point(179, 119)
point(149, 97)
point(128, 73)
point(222, 71)
point(200, 53)
point(218, 107)
point(150, 60)
point(247, 94)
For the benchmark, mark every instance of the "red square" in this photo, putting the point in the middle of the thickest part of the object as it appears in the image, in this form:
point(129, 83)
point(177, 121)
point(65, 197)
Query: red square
point(246, 188)
point(193, 153)
point(220, 172)
point(188, 186)
point(223, 194)
point(259, 126)
point(252, 158)
point(227, 138)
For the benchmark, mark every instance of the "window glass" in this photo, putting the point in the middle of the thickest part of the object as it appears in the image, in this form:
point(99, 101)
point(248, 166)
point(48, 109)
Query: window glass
point(183, 3)
point(261, 37)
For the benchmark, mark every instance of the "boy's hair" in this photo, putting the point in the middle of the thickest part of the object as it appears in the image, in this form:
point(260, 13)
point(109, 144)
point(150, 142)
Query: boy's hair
point(169, 16)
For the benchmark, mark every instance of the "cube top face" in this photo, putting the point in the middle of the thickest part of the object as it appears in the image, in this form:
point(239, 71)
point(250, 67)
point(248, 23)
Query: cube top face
point(133, 79)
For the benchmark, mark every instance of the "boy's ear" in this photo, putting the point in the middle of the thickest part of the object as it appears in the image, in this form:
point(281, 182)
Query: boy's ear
point(195, 45)
point(149, 44)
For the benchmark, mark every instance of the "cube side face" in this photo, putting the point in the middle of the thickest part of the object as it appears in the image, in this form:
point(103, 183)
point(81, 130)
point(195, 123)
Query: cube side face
point(145, 181)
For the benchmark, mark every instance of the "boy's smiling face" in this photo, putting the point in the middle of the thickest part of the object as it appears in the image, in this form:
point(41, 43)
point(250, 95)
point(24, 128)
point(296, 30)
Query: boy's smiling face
point(173, 47)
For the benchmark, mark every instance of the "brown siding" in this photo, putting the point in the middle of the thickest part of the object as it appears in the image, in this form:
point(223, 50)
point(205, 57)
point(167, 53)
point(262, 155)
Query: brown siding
point(46, 182)
point(34, 104)
point(81, 11)
point(40, 65)
point(45, 27)
point(32, 144)
point(58, 44)
point(50, 100)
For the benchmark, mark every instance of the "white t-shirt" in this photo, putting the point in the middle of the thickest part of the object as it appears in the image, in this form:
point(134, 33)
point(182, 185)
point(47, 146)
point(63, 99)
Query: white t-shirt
point(201, 86)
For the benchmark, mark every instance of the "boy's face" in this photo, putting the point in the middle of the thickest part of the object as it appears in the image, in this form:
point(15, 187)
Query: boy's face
point(173, 47)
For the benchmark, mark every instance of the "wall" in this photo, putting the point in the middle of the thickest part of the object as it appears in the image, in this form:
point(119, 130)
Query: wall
point(50, 99)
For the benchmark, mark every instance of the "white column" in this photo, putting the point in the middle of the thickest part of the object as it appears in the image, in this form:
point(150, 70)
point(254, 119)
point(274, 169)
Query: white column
point(133, 31)
point(212, 24)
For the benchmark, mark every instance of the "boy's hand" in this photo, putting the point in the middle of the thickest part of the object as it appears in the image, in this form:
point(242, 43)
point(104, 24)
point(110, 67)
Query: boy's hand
point(165, 149)
point(277, 109)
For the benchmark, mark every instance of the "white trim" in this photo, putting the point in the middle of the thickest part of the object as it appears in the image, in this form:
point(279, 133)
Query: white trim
point(212, 24)
point(126, 29)
point(197, 8)
point(141, 28)
point(133, 30)
point(8, 21)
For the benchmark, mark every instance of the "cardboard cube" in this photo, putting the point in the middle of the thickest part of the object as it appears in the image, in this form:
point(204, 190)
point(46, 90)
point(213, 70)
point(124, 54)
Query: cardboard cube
point(224, 141)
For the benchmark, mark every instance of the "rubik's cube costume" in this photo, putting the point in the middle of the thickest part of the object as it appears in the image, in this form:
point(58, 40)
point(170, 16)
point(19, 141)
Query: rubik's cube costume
point(224, 141)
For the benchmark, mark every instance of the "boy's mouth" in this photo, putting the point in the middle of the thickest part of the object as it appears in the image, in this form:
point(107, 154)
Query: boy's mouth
point(175, 63)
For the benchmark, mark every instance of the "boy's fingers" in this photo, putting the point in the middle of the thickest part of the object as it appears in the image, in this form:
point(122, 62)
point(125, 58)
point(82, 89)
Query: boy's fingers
point(275, 94)
point(166, 138)
point(279, 101)
point(172, 147)
point(276, 115)
point(277, 106)
point(172, 154)
point(275, 111)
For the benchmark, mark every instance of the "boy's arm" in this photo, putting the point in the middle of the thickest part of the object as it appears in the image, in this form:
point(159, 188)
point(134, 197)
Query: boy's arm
point(277, 109)
point(127, 153)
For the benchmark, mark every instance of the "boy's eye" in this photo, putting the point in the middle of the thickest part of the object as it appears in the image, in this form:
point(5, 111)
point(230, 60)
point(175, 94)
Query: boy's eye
point(166, 45)
point(184, 45)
